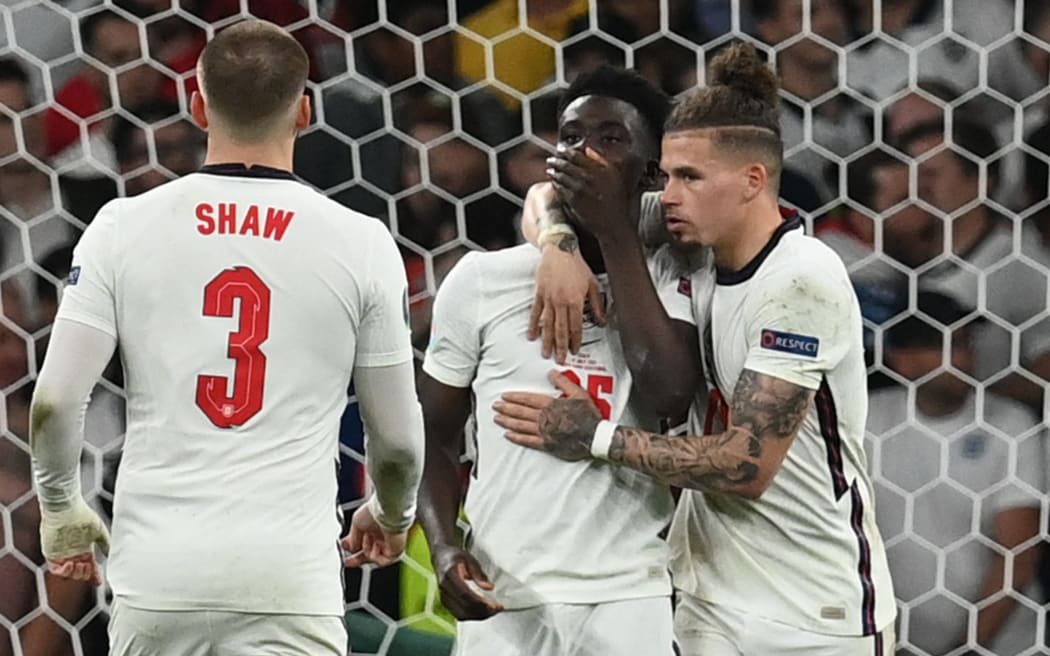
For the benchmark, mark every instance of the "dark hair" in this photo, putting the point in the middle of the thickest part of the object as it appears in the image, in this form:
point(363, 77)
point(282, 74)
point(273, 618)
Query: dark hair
point(860, 176)
point(974, 138)
point(741, 101)
point(11, 70)
point(124, 130)
point(918, 331)
point(1036, 169)
point(652, 104)
point(763, 10)
point(90, 24)
point(253, 73)
point(57, 262)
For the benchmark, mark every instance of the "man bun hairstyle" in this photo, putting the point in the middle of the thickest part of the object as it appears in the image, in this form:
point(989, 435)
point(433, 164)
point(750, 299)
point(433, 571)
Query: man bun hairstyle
point(740, 106)
point(253, 75)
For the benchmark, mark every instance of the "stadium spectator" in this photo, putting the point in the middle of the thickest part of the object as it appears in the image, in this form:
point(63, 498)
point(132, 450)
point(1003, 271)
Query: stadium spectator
point(15, 96)
point(913, 108)
point(879, 68)
point(178, 146)
point(113, 41)
point(520, 60)
point(1037, 24)
point(354, 108)
point(526, 164)
point(990, 447)
point(950, 181)
point(808, 69)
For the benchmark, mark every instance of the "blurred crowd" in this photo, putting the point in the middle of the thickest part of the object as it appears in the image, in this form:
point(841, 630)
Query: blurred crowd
point(917, 146)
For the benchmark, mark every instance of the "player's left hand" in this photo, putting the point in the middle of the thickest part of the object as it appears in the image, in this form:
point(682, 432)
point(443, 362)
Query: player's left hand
point(563, 427)
point(368, 542)
point(595, 190)
point(68, 538)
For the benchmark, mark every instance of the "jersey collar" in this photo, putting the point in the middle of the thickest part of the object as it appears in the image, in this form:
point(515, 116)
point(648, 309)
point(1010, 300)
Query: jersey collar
point(238, 169)
point(791, 222)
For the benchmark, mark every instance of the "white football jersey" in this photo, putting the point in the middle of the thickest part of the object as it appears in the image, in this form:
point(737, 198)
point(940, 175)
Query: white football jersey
point(808, 552)
point(241, 300)
point(936, 475)
point(545, 530)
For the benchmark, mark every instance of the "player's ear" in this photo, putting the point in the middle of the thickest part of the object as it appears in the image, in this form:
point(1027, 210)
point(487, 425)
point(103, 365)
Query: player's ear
point(756, 177)
point(198, 110)
point(305, 113)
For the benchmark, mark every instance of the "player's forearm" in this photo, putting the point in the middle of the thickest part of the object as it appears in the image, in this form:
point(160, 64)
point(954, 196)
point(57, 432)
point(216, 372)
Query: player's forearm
point(663, 359)
point(394, 424)
point(439, 501)
point(544, 221)
point(727, 462)
point(1013, 527)
point(55, 439)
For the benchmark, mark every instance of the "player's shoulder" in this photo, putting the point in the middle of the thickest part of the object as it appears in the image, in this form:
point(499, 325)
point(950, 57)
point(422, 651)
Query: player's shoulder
point(492, 269)
point(801, 257)
point(1011, 417)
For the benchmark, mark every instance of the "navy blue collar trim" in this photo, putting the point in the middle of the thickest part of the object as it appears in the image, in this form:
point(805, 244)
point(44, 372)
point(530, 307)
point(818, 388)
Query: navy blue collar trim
point(723, 277)
point(238, 169)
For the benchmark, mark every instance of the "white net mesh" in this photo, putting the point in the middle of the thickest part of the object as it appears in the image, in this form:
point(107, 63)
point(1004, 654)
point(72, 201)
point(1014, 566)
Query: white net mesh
point(915, 148)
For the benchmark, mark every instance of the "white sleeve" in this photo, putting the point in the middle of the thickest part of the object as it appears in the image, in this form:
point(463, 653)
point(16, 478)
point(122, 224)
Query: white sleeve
point(798, 325)
point(89, 296)
point(77, 354)
point(393, 424)
point(673, 284)
point(455, 335)
point(384, 335)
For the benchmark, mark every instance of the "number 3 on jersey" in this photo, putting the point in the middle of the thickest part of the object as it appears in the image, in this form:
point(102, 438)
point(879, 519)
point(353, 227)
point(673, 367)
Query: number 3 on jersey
point(224, 407)
point(597, 385)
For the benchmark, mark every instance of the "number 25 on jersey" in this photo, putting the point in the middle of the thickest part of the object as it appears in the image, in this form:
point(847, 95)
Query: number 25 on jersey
point(228, 408)
point(597, 386)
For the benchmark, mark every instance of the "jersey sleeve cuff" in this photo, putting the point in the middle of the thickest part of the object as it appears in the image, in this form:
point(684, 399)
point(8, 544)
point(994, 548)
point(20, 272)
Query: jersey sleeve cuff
point(809, 380)
point(448, 375)
point(383, 359)
point(88, 320)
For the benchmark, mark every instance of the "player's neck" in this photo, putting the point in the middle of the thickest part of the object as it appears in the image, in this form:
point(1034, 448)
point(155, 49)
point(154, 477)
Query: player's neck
point(277, 155)
point(745, 242)
point(932, 404)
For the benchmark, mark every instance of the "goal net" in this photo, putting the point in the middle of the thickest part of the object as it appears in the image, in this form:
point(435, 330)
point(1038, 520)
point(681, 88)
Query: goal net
point(916, 146)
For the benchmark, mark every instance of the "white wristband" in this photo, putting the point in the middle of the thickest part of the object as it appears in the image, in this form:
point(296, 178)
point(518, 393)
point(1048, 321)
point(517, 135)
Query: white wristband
point(602, 440)
point(553, 233)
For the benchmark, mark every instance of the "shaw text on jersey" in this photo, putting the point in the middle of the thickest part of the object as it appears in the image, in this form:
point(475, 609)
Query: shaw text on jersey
point(227, 219)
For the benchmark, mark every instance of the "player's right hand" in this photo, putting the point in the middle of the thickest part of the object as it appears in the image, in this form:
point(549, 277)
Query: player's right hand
point(564, 284)
point(368, 542)
point(68, 538)
point(460, 578)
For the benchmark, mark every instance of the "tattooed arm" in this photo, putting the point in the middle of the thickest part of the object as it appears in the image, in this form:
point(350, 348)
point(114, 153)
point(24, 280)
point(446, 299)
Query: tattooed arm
point(764, 418)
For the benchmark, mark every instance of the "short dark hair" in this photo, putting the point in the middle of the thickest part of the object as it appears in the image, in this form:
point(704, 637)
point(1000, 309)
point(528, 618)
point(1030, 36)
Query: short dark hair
point(917, 330)
point(252, 74)
point(860, 176)
point(124, 130)
point(652, 104)
point(89, 26)
point(12, 70)
point(741, 103)
point(1036, 170)
point(968, 135)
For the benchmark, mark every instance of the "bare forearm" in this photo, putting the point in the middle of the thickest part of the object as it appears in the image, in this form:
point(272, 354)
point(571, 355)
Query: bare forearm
point(992, 618)
point(663, 360)
point(440, 499)
point(727, 462)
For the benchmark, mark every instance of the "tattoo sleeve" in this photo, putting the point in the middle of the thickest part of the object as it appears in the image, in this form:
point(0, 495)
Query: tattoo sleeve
point(765, 415)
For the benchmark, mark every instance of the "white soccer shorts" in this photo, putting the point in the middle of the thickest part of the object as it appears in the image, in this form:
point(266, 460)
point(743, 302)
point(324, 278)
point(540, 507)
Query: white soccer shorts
point(140, 632)
point(703, 629)
point(622, 628)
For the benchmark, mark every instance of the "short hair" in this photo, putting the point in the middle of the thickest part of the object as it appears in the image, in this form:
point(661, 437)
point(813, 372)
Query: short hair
point(763, 10)
point(252, 74)
point(860, 176)
point(124, 130)
point(629, 86)
point(11, 70)
point(89, 26)
point(972, 137)
point(740, 104)
point(1036, 169)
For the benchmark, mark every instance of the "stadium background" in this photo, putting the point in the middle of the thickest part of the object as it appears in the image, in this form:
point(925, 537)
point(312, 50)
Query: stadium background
point(436, 116)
